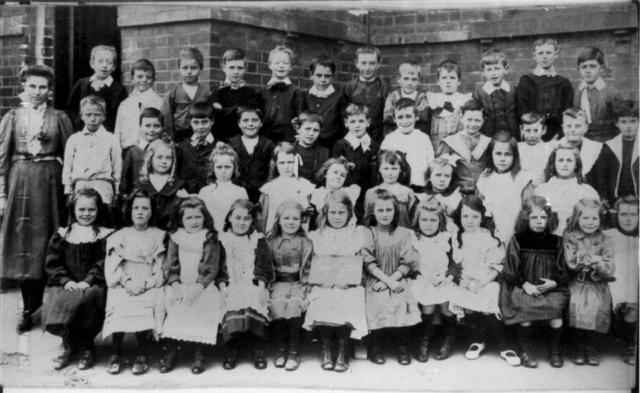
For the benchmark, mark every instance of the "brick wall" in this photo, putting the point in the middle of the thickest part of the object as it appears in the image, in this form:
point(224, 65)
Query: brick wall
point(459, 34)
point(161, 42)
point(430, 36)
point(26, 37)
point(621, 55)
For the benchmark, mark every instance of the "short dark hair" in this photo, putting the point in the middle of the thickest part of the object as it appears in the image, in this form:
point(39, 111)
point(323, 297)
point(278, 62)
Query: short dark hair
point(590, 53)
point(449, 65)
point(201, 110)
point(626, 108)
point(143, 65)
point(191, 54)
point(251, 109)
point(233, 54)
point(472, 105)
point(403, 103)
point(324, 61)
point(355, 110)
point(531, 118)
point(369, 50)
point(152, 113)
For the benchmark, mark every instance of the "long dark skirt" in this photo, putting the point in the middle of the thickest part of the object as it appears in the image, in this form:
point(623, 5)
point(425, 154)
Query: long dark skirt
point(517, 307)
point(72, 311)
point(35, 207)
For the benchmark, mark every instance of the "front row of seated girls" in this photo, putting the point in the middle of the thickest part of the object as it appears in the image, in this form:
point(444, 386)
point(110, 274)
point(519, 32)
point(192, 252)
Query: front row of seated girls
point(182, 285)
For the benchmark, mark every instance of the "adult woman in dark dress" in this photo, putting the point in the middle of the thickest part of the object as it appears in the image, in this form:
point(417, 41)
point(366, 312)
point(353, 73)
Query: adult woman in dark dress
point(32, 141)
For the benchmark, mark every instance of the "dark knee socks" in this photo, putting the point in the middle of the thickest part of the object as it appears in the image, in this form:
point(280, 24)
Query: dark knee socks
point(294, 325)
point(32, 291)
point(555, 337)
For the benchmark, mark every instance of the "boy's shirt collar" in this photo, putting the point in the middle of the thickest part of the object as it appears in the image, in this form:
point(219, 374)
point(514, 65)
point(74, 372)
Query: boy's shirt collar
point(490, 87)
point(250, 143)
point(598, 84)
point(275, 80)
point(144, 94)
point(539, 71)
point(100, 130)
point(314, 91)
point(413, 96)
point(365, 141)
point(143, 144)
point(98, 84)
point(195, 141)
point(232, 85)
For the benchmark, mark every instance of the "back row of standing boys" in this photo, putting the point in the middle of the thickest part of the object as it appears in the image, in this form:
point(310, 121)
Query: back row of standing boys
point(447, 164)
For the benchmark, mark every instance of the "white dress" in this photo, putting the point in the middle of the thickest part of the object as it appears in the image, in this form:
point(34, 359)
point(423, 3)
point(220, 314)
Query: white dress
point(282, 188)
point(625, 288)
point(198, 320)
point(503, 198)
point(335, 306)
point(480, 254)
point(242, 293)
point(218, 198)
point(563, 194)
point(434, 261)
point(136, 256)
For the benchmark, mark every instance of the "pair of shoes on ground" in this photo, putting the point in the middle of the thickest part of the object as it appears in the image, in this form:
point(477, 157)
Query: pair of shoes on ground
point(586, 355)
point(376, 356)
point(140, 365)
point(290, 361)
point(231, 358)
point(85, 361)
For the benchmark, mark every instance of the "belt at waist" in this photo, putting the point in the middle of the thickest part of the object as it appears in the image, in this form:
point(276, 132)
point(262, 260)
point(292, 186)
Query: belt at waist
point(25, 157)
point(287, 277)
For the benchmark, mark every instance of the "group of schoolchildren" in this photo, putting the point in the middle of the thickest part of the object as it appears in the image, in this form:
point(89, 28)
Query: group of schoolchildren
point(490, 211)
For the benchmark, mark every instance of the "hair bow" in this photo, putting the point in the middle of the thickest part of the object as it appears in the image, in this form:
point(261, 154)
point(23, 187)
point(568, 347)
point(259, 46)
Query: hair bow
point(450, 159)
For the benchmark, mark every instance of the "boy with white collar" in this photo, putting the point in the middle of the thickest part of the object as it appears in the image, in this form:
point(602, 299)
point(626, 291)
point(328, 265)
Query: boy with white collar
point(408, 139)
point(409, 81)
point(92, 157)
point(283, 101)
point(574, 125)
point(544, 91)
point(101, 84)
point(616, 172)
point(143, 75)
point(595, 97)
point(497, 97)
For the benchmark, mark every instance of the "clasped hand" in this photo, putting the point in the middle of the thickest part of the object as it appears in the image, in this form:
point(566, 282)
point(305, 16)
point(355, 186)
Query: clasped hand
point(73, 286)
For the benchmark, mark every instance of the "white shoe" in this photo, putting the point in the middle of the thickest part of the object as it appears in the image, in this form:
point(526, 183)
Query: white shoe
point(474, 351)
point(510, 357)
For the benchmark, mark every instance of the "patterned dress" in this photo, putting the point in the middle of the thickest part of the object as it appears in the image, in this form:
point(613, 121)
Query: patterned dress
point(249, 260)
point(590, 297)
point(391, 252)
point(194, 260)
point(134, 256)
point(76, 255)
point(530, 257)
point(337, 306)
point(291, 258)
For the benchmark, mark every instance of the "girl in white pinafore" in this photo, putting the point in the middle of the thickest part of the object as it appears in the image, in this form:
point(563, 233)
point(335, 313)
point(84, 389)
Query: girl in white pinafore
point(195, 269)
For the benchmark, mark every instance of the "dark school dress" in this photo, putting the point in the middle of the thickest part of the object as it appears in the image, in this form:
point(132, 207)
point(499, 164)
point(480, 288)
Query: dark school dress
point(32, 166)
point(75, 258)
point(530, 257)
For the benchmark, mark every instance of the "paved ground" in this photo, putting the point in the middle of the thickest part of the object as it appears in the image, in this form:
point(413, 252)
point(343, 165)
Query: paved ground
point(26, 361)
